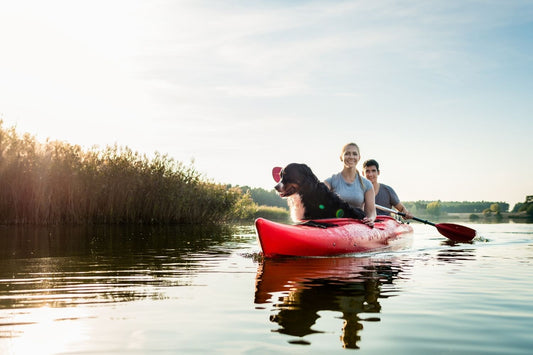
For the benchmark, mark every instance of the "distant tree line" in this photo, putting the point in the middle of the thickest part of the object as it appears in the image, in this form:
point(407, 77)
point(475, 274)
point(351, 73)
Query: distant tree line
point(455, 206)
point(271, 198)
point(264, 197)
point(524, 207)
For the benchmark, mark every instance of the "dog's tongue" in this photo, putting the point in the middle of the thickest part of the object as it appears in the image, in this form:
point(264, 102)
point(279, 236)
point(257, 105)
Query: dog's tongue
point(276, 171)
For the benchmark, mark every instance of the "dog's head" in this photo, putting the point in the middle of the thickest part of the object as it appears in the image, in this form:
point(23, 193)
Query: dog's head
point(294, 179)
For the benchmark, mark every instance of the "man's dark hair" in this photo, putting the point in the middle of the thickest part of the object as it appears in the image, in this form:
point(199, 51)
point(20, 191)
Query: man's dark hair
point(371, 162)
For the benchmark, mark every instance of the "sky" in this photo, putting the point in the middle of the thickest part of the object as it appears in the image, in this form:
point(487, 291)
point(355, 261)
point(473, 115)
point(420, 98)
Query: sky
point(440, 93)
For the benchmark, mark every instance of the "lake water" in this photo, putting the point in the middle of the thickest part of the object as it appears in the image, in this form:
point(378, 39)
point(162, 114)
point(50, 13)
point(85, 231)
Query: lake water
point(197, 290)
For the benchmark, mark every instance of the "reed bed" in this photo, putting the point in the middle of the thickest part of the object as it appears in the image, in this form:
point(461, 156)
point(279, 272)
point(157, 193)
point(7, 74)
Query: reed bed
point(57, 183)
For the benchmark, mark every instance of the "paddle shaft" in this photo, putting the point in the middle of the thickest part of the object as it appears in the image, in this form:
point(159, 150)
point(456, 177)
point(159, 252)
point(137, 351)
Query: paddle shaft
point(403, 215)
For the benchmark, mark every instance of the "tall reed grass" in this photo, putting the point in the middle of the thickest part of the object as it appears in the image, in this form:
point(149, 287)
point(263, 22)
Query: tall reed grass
point(56, 182)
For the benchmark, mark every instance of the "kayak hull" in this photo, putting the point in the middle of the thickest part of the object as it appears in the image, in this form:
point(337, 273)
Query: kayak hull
point(327, 237)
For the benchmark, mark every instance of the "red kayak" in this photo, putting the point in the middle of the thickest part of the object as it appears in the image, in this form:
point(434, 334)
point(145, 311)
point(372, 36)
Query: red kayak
point(325, 237)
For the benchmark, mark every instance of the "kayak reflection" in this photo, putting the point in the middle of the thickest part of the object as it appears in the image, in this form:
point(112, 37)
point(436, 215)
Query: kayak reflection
point(299, 289)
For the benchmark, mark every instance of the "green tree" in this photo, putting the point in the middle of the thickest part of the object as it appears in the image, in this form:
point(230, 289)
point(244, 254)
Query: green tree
point(434, 208)
point(517, 207)
point(495, 207)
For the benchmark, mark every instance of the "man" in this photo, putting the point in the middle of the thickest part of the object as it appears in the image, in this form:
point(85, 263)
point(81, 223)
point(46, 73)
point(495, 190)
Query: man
point(385, 195)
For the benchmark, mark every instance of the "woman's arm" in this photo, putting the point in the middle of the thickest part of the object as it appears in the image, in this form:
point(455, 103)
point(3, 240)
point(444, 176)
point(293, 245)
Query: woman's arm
point(370, 207)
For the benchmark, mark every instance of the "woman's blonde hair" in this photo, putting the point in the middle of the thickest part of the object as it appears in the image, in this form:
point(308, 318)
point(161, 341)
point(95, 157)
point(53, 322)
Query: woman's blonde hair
point(357, 171)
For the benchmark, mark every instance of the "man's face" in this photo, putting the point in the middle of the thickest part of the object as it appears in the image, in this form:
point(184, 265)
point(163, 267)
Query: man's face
point(371, 173)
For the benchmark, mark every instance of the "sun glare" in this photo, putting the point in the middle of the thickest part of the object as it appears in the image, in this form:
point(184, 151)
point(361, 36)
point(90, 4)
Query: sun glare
point(47, 331)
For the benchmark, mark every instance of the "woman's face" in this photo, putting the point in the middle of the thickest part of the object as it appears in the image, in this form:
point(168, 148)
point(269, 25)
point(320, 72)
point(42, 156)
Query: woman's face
point(350, 157)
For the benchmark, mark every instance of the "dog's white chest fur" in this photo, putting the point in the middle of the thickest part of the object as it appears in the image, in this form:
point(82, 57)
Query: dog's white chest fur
point(296, 207)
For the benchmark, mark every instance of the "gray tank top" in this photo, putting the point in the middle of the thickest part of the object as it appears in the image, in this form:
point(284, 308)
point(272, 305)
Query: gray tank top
point(352, 193)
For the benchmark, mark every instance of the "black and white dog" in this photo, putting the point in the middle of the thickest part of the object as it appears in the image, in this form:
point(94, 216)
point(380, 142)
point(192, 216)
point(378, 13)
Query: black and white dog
point(308, 198)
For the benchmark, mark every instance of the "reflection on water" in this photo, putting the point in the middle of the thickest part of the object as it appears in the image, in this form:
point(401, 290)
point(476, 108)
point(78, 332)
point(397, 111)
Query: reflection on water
point(456, 255)
point(298, 289)
point(60, 267)
point(191, 290)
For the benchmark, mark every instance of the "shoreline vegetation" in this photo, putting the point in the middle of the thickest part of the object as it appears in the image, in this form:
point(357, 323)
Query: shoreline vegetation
point(59, 183)
point(473, 211)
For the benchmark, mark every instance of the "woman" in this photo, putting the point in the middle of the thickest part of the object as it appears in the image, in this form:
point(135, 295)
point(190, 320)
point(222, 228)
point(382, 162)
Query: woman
point(385, 195)
point(351, 186)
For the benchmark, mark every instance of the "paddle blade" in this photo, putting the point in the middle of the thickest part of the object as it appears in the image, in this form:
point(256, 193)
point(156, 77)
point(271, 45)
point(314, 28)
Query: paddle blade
point(456, 232)
point(276, 173)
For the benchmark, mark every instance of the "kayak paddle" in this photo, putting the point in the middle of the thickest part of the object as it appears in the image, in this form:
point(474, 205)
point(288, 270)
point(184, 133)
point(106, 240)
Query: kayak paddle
point(452, 231)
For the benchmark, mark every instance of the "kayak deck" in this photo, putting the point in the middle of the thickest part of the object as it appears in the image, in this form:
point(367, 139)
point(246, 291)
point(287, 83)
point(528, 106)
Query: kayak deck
point(325, 237)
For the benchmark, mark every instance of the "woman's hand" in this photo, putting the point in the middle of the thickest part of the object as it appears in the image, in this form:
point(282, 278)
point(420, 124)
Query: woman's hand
point(368, 221)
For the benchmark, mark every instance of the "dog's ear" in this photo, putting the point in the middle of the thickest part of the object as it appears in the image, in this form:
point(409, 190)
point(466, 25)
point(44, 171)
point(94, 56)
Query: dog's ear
point(276, 173)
